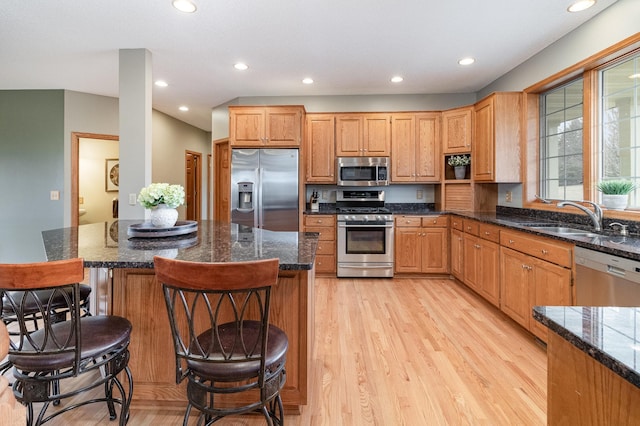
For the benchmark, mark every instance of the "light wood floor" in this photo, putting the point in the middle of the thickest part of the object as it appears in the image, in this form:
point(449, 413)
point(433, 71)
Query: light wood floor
point(402, 352)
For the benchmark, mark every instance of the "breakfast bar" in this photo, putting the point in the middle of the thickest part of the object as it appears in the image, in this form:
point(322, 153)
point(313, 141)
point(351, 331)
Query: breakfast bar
point(119, 268)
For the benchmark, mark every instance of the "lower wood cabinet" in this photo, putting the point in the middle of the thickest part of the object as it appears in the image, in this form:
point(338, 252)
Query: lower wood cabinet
point(527, 280)
point(325, 225)
point(421, 244)
point(457, 254)
point(480, 259)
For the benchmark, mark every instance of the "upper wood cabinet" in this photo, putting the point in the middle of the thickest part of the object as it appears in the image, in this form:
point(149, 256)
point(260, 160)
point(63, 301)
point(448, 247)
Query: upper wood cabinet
point(456, 130)
point(363, 135)
point(320, 151)
point(496, 138)
point(415, 147)
point(258, 126)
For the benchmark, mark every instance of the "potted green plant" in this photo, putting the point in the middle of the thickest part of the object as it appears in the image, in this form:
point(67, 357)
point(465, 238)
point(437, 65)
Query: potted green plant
point(459, 164)
point(615, 193)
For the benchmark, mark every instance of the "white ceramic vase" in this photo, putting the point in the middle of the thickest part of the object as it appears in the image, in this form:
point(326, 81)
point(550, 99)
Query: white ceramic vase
point(163, 216)
point(460, 171)
point(615, 201)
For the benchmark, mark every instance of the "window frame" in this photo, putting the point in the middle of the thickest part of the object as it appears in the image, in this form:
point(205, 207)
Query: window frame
point(588, 69)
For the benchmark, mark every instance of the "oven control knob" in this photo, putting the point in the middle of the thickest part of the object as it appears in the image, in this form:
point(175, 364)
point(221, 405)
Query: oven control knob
point(379, 217)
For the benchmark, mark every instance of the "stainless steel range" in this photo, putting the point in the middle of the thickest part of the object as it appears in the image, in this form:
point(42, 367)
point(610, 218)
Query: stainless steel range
point(365, 234)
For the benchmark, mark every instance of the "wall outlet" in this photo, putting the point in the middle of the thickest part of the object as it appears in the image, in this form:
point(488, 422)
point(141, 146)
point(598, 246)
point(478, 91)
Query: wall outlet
point(80, 200)
point(54, 195)
point(508, 197)
point(132, 199)
point(419, 194)
point(325, 194)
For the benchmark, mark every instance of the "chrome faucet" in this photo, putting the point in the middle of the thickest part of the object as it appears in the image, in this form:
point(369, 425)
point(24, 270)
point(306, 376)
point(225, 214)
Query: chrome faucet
point(595, 215)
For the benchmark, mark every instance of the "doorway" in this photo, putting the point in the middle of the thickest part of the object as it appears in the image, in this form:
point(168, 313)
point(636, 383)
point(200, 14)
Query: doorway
point(100, 184)
point(193, 180)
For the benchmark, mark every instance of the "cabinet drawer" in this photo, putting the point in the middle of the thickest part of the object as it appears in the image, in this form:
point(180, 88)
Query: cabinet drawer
point(325, 263)
point(326, 233)
point(552, 251)
point(456, 223)
point(326, 247)
point(318, 220)
point(435, 221)
point(408, 221)
point(471, 227)
point(490, 232)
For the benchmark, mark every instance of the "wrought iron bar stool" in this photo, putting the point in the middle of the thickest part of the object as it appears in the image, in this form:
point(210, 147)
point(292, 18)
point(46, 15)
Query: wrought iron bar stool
point(95, 347)
point(232, 358)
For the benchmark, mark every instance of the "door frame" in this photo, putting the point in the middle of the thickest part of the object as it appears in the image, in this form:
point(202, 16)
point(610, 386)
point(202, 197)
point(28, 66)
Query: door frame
point(75, 158)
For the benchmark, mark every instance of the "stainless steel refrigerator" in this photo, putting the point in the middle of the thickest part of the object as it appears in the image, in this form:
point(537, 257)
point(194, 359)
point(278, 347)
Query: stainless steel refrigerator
point(264, 188)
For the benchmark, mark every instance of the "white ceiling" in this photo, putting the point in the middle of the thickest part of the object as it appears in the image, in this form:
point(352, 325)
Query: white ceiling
point(349, 47)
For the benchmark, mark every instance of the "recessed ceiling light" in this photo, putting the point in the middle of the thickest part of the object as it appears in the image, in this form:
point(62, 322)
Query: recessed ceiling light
point(184, 108)
point(396, 79)
point(635, 75)
point(307, 80)
point(241, 66)
point(581, 5)
point(466, 61)
point(185, 6)
point(161, 83)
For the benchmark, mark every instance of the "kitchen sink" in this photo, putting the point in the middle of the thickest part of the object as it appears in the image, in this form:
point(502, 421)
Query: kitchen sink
point(564, 230)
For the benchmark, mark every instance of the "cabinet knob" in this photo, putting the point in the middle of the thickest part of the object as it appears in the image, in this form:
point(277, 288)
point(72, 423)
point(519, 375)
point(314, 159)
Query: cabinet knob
point(468, 228)
point(476, 246)
point(435, 221)
point(511, 241)
point(544, 251)
point(487, 233)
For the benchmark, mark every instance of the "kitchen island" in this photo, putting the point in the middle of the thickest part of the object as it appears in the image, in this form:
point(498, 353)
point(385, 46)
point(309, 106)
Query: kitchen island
point(120, 270)
point(593, 364)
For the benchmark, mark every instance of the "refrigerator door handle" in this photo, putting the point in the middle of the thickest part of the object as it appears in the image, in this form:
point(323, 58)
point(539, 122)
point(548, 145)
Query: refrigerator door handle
point(259, 217)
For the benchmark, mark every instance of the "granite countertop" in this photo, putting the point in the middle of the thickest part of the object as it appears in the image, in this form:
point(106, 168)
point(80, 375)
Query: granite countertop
point(107, 245)
point(610, 335)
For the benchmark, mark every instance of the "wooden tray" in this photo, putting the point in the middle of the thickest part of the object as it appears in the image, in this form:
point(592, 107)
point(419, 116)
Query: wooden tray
point(147, 230)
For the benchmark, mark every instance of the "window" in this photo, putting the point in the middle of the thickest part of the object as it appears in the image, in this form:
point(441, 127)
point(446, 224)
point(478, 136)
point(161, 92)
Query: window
point(561, 159)
point(619, 150)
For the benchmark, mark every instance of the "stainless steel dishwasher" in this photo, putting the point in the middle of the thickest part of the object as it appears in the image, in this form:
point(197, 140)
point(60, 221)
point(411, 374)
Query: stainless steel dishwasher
point(606, 280)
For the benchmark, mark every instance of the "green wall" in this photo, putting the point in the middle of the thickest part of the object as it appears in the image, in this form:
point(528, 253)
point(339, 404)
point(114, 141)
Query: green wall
point(31, 165)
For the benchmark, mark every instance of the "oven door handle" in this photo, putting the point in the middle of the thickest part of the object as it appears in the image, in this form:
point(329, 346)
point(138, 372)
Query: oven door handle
point(344, 225)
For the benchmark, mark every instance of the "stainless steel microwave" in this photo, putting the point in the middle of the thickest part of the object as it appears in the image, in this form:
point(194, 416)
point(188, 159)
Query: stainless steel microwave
point(363, 171)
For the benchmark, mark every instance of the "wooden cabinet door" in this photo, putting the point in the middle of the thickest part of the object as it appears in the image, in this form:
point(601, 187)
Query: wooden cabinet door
point(408, 249)
point(456, 130)
point(349, 135)
point(551, 286)
point(470, 248)
point(283, 126)
point(427, 151)
point(403, 148)
point(515, 275)
point(246, 126)
point(489, 271)
point(483, 166)
point(377, 135)
point(435, 250)
point(320, 148)
point(457, 254)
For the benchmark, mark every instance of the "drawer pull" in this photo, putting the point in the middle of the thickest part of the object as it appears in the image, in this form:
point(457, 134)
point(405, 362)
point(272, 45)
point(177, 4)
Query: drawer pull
point(545, 251)
point(487, 233)
point(476, 246)
point(511, 241)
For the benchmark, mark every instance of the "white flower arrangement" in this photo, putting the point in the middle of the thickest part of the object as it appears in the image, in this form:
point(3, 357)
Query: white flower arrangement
point(161, 193)
point(459, 160)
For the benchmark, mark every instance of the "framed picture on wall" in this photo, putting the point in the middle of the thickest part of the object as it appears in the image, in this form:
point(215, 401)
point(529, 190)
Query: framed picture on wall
point(112, 174)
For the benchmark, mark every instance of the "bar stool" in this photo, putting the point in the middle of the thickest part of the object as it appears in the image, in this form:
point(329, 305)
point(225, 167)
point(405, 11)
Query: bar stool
point(48, 359)
point(224, 344)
